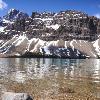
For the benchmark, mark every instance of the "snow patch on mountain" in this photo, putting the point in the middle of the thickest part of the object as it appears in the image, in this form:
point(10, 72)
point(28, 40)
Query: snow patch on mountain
point(55, 27)
point(2, 29)
point(83, 46)
point(7, 21)
point(38, 45)
point(45, 19)
point(31, 44)
point(96, 46)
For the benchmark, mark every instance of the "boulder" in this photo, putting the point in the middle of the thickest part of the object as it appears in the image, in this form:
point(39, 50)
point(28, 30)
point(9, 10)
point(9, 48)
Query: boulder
point(15, 96)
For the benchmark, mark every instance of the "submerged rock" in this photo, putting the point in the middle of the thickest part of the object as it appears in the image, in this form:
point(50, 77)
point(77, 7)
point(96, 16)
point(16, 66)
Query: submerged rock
point(15, 96)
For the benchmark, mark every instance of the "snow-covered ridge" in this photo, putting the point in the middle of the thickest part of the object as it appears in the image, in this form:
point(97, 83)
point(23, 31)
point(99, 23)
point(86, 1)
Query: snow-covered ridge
point(19, 45)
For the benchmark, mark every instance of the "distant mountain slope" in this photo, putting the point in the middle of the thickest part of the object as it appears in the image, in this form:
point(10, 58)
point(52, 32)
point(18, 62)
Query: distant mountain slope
point(35, 47)
point(67, 34)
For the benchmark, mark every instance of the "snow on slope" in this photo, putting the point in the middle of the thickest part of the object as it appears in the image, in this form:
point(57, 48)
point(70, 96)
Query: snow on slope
point(38, 45)
point(55, 27)
point(2, 29)
point(10, 42)
point(45, 19)
point(83, 46)
point(96, 46)
point(18, 45)
point(32, 43)
point(58, 43)
point(21, 44)
point(7, 21)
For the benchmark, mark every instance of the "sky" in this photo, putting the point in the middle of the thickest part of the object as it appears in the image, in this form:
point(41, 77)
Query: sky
point(91, 7)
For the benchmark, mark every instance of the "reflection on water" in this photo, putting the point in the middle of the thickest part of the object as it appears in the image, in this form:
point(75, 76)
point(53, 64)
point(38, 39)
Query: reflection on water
point(51, 79)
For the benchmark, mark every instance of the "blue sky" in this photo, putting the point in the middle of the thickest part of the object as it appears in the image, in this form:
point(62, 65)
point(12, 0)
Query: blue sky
point(91, 7)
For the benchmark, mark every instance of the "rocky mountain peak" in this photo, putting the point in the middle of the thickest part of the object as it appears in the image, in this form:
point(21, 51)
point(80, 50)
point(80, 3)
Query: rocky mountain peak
point(13, 14)
point(13, 11)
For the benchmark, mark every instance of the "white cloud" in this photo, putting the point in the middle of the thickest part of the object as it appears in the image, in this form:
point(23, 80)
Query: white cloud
point(97, 15)
point(3, 5)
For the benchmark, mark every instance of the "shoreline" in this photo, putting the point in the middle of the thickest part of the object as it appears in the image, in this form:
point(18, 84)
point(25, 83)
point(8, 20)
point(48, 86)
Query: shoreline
point(45, 56)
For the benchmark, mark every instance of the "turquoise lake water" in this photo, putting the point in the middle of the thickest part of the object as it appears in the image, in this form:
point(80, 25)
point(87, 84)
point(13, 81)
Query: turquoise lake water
point(51, 79)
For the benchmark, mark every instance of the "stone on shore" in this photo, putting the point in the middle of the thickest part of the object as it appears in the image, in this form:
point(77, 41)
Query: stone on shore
point(15, 96)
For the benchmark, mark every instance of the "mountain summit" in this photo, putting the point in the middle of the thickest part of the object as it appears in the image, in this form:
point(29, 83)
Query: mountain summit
point(14, 14)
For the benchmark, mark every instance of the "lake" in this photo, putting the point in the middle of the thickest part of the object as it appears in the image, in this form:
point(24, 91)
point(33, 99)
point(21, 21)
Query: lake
point(51, 79)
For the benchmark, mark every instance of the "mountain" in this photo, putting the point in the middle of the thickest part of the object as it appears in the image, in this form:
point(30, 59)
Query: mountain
point(64, 34)
point(69, 24)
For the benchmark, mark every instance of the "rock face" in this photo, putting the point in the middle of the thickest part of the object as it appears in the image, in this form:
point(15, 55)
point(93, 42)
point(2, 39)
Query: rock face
point(66, 25)
point(15, 96)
